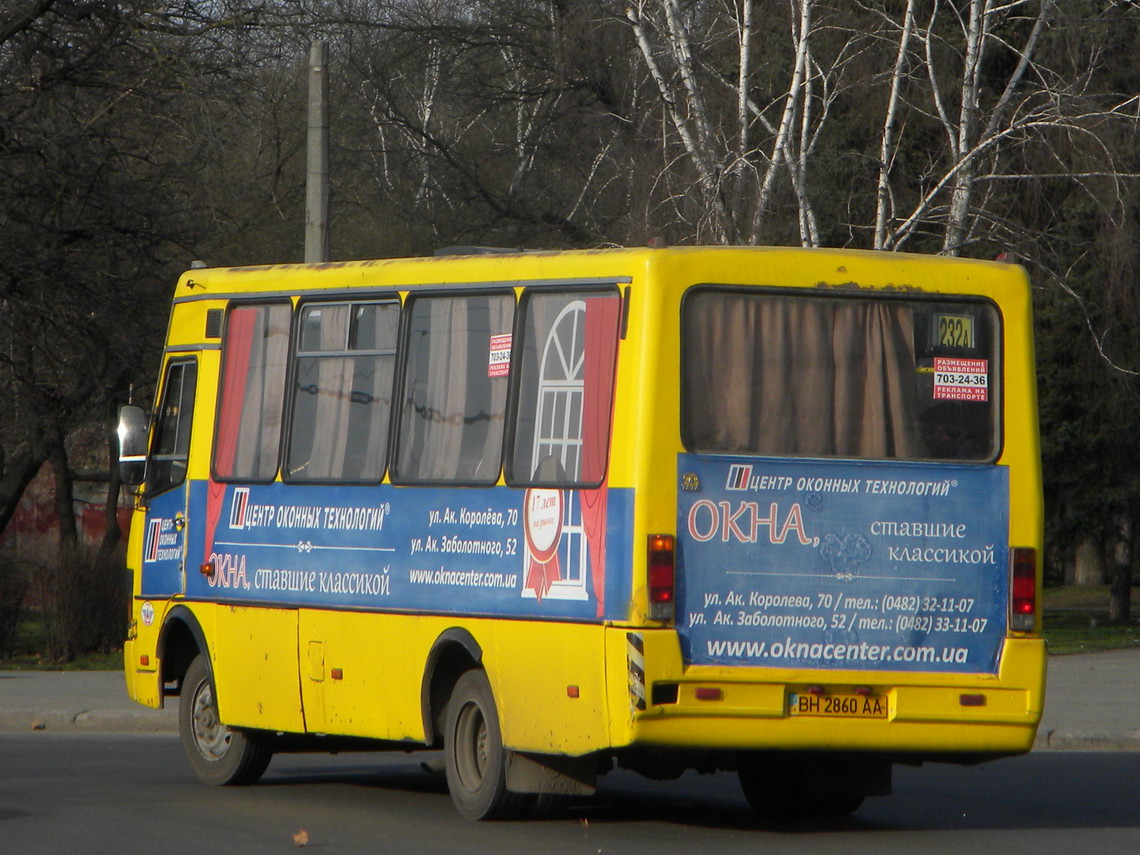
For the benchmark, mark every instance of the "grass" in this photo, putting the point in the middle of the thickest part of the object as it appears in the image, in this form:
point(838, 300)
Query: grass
point(28, 646)
point(1076, 621)
point(83, 662)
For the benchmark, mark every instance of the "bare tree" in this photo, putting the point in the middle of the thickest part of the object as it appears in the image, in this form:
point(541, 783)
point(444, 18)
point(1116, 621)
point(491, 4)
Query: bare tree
point(486, 122)
point(978, 130)
point(103, 133)
point(744, 153)
point(884, 200)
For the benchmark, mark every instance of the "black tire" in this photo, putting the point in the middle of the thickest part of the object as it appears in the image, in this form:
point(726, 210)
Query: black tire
point(474, 757)
point(777, 793)
point(219, 755)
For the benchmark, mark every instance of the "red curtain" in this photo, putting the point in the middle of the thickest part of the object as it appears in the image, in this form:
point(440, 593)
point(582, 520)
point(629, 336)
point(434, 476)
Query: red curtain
point(602, 315)
point(239, 337)
point(235, 371)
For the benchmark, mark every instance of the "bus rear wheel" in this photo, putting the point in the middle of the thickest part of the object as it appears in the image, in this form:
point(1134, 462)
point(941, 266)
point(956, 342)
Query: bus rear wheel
point(219, 755)
point(781, 792)
point(474, 757)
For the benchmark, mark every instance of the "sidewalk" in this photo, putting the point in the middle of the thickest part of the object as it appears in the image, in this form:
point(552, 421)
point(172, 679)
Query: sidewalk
point(77, 700)
point(1092, 703)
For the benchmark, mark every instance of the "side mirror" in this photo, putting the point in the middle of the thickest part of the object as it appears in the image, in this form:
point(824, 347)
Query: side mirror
point(132, 433)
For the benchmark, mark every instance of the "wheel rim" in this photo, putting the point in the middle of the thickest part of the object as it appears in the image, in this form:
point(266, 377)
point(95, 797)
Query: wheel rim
point(471, 746)
point(211, 737)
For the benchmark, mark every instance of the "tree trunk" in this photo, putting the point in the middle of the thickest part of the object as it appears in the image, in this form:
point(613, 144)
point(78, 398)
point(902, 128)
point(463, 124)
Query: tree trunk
point(19, 470)
point(1120, 598)
point(1089, 564)
point(111, 531)
point(64, 504)
point(1120, 590)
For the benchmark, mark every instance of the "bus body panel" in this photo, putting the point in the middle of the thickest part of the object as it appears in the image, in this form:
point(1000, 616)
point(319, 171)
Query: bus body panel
point(143, 676)
point(259, 685)
point(362, 676)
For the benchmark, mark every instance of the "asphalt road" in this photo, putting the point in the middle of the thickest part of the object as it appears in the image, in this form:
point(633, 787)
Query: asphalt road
point(128, 793)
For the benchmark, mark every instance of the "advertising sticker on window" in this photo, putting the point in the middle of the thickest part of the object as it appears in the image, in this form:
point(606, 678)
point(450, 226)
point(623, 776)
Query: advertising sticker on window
point(961, 379)
point(499, 364)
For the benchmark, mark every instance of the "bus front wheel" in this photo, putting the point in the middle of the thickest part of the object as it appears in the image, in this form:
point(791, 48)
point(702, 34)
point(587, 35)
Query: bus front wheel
point(474, 757)
point(219, 755)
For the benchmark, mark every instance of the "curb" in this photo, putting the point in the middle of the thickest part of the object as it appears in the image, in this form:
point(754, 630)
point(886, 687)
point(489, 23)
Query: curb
point(1072, 740)
point(28, 720)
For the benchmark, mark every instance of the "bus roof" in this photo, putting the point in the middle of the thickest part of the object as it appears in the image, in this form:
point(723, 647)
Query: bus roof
point(794, 266)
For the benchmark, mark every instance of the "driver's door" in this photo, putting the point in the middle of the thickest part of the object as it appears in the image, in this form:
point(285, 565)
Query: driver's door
point(164, 550)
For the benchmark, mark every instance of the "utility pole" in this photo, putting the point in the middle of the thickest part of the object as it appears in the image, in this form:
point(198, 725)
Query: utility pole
point(317, 174)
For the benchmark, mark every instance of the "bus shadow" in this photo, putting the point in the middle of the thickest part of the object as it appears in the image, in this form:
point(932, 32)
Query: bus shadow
point(363, 770)
point(1046, 790)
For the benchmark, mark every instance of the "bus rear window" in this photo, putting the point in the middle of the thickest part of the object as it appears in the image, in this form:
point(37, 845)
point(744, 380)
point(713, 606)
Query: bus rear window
point(839, 376)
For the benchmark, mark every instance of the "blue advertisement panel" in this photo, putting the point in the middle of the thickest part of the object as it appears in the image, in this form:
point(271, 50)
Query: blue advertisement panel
point(842, 565)
point(539, 553)
point(164, 544)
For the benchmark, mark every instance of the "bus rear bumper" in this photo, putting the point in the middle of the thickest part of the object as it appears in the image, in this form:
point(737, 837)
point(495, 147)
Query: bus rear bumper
point(758, 709)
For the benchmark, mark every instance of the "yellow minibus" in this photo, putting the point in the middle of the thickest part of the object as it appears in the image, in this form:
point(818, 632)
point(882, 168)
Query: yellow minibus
point(771, 511)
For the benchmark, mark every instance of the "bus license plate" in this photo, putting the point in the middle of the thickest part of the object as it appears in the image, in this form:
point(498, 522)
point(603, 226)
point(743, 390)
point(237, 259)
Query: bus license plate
point(838, 706)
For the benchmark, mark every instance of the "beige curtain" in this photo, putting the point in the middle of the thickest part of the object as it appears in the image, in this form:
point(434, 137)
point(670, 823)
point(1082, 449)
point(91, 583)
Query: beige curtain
point(769, 374)
point(453, 414)
point(334, 396)
point(385, 322)
point(876, 394)
point(344, 397)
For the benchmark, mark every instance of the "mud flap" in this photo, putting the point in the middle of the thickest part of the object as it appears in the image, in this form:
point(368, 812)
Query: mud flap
point(549, 773)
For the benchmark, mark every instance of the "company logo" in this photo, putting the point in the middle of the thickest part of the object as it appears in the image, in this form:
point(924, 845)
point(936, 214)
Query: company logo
point(739, 476)
point(153, 537)
point(238, 507)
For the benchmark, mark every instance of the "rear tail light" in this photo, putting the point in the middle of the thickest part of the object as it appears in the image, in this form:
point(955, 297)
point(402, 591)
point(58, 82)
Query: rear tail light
point(659, 558)
point(1023, 590)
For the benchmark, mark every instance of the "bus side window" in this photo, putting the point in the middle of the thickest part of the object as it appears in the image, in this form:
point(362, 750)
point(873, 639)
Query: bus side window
point(564, 405)
point(344, 365)
point(172, 430)
point(255, 355)
point(454, 389)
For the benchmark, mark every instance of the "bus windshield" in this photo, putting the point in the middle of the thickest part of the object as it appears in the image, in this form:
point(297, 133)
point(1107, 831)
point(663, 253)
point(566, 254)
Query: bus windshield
point(881, 377)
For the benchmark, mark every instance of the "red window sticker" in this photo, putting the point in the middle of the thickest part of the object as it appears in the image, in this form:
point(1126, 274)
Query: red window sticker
point(961, 379)
point(500, 361)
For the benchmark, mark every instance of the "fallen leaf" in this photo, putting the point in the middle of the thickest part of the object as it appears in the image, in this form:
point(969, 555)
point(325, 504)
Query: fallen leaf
point(301, 838)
